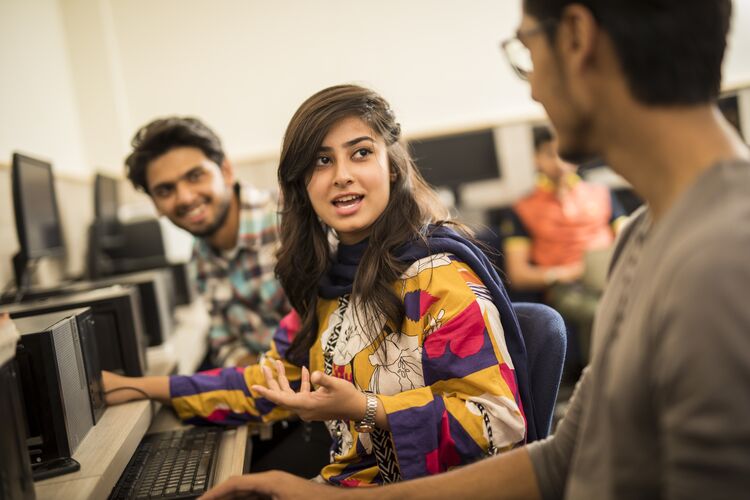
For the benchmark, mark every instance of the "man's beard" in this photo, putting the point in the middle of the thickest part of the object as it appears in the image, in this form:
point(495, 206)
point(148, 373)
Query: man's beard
point(221, 217)
point(576, 149)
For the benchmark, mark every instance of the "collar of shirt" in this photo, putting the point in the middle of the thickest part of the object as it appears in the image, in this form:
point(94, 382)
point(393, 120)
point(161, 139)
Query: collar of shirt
point(544, 183)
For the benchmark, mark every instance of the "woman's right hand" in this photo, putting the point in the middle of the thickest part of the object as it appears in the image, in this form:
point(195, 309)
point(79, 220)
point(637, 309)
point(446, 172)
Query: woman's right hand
point(119, 389)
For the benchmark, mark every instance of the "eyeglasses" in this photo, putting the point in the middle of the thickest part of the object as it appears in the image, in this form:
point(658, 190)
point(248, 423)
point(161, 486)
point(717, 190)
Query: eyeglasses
point(518, 55)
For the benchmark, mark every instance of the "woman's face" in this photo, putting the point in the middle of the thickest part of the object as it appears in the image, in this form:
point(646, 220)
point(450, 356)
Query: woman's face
point(350, 183)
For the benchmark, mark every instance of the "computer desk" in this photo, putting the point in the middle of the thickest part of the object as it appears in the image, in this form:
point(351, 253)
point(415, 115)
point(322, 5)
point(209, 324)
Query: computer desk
point(109, 445)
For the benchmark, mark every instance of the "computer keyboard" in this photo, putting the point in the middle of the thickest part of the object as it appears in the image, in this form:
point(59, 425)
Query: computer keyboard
point(177, 464)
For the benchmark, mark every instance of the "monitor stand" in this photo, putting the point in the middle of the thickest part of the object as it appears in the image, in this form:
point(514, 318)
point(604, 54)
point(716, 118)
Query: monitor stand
point(20, 271)
point(24, 290)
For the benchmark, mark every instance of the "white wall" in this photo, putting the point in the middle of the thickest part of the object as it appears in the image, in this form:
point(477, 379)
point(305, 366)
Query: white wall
point(82, 75)
point(245, 66)
point(38, 108)
point(737, 59)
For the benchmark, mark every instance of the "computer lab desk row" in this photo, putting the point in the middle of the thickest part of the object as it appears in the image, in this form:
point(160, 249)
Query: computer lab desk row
point(109, 445)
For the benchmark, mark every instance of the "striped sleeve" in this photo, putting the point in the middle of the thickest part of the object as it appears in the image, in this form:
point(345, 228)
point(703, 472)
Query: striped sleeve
point(223, 396)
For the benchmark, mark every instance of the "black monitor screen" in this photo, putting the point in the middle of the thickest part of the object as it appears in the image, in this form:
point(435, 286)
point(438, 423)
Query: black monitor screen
point(105, 198)
point(35, 203)
point(453, 160)
point(730, 108)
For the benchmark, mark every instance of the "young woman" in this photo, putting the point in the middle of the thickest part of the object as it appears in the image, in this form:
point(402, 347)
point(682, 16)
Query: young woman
point(416, 358)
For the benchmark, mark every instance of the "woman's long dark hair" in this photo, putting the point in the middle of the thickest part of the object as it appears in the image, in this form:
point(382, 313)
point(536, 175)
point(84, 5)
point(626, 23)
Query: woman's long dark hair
point(305, 248)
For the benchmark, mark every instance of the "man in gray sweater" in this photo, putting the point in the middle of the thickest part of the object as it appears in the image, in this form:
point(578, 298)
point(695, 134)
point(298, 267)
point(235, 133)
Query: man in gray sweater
point(663, 410)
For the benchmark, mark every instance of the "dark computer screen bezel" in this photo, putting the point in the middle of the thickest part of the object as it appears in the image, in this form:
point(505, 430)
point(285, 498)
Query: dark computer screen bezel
point(99, 182)
point(21, 212)
point(451, 161)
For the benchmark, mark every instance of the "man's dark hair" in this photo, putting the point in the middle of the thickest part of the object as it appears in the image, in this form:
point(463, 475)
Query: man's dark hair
point(670, 50)
point(542, 135)
point(164, 134)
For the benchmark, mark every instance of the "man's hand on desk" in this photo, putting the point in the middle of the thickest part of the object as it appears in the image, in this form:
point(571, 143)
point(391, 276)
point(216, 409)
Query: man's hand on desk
point(119, 389)
point(274, 484)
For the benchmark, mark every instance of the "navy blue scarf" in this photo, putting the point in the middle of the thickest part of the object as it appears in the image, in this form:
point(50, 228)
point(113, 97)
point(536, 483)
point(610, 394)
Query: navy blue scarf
point(441, 239)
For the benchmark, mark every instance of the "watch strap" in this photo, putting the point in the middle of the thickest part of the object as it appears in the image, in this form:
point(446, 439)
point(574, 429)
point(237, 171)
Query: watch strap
point(367, 424)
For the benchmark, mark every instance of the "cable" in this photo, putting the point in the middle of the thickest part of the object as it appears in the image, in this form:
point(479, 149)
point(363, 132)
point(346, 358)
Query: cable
point(145, 394)
point(136, 389)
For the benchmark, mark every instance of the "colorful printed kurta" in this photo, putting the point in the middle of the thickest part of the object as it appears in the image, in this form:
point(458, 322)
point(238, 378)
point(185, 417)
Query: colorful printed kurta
point(245, 299)
point(444, 377)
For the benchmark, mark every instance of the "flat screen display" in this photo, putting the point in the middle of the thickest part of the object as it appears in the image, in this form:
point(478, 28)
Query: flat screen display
point(35, 202)
point(452, 160)
point(105, 198)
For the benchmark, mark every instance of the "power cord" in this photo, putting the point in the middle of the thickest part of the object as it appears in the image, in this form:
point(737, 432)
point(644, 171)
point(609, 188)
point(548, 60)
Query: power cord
point(136, 389)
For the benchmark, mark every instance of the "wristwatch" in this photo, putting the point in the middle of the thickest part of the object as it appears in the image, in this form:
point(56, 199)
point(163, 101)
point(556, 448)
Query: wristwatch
point(367, 424)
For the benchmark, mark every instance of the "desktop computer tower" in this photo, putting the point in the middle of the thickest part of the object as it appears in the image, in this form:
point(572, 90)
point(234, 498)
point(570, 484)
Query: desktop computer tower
point(86, 331)
point(118, 324)
point(15, 468)
point(155, 290)
point(53, 385)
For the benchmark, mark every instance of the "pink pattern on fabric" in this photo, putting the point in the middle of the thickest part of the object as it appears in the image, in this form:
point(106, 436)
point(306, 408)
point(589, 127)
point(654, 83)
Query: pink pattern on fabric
point(464, 333)
point(448, 454)
point(432, 462)
point(213, 372)
point(353, 483)
point(218, 415)
point(425, 301)
point(510, 378)
point(291, 323)
point(445, 456)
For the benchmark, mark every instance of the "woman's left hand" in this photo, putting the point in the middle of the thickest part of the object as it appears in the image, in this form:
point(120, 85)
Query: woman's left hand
point(333, 398)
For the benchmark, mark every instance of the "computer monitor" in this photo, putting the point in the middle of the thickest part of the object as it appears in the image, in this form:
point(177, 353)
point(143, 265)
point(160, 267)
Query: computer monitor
point(37, 216)
point(106, 199)
point(453, 160)
point(156, 299)
point(729, 105)
point(105, 233)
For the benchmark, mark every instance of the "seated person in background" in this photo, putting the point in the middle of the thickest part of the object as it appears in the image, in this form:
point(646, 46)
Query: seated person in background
point(417, 362)
point(557, 223)
point(179, 162)
point(551, 230)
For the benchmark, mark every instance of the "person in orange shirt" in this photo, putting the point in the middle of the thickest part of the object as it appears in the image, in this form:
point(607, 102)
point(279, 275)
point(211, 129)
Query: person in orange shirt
point(549, 232)
point(555, 225)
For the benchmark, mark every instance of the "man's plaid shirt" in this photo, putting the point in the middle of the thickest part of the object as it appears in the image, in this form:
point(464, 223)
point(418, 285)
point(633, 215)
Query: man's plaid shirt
point(245, 300)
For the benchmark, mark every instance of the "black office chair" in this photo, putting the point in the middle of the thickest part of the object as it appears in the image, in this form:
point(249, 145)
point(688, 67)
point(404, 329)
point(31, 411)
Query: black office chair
point(544, 333)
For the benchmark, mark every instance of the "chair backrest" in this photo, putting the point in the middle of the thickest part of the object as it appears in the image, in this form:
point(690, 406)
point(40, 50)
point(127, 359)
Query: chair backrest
point(545, 335)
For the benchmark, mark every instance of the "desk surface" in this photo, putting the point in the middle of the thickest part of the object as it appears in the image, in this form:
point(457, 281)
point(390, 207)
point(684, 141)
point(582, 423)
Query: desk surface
point(107, 448)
